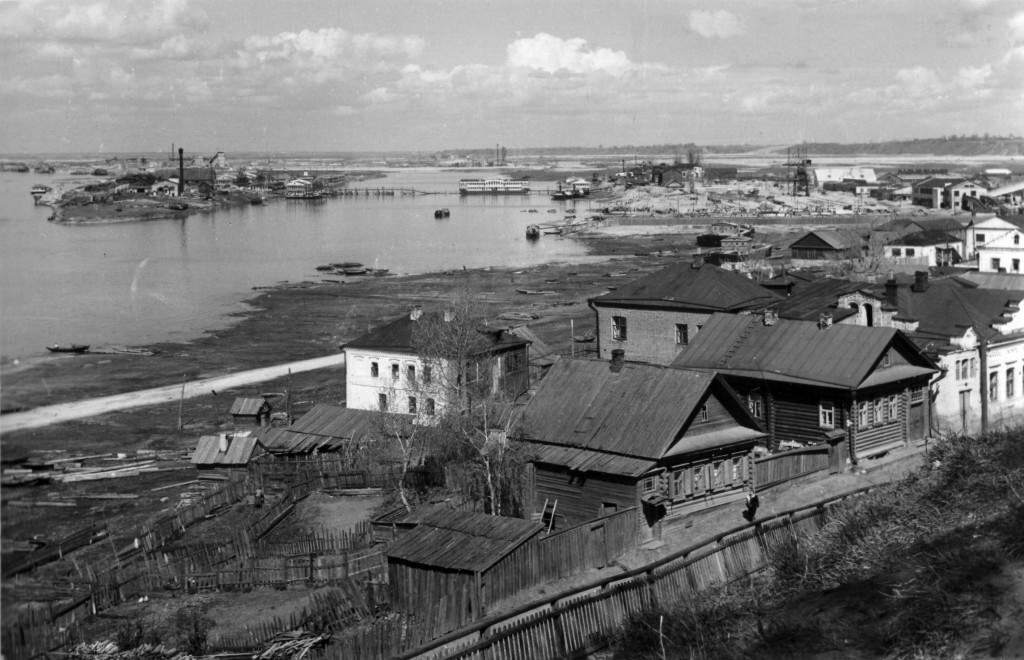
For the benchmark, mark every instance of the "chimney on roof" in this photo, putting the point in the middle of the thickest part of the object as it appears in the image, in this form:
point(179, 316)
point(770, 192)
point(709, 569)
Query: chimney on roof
point(920, 281)
point(618, 359)
point(825, 321)
point(891, 290)
point(416, 313)
point(698, 260)
point(225, 442)
point(770, 317)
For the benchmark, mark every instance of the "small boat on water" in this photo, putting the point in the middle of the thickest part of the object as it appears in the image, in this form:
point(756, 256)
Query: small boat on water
point(355, 270)
point(68, 348)
point(442, 213)
point(347, 264)
point(533, 231)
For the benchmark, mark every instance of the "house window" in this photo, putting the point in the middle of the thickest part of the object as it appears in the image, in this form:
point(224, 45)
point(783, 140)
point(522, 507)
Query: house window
point(679, 489)
point(703, 413)
point(619, 328)
point(410, 372)
point(863, 415)
point(394, 371)
point(993, 386)
point(717, 475)
point(428, 407)
point(1015, 264)
point(979, 238)
point(879, 411)
point(649, 485)
point(974, 367)
point(700, 481)
point(412, 405)
point(682, 334)
point(374, 369)
point(916, 394)
point(427, 373)
point(1009, 383)
point(886, 360)
point(995, 264)
point(911, 252)
point(737, 470)
point(382, 401)
point(755, 405)
point(1016, 239)
point(897, 252)
point(894, 407)
point(827, 414)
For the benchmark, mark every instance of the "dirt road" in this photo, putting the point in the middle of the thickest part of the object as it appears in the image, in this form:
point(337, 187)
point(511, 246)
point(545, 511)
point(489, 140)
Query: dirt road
point(63, 412)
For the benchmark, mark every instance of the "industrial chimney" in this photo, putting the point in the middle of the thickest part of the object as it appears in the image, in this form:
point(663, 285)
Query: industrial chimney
point(181, 171)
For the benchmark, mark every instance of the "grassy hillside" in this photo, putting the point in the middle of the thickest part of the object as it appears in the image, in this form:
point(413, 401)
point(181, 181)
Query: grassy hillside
point(942, 146)
point(932, 566)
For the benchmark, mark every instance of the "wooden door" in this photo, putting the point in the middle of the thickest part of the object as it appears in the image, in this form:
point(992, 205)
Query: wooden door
point(917, 424)
point(595, 551)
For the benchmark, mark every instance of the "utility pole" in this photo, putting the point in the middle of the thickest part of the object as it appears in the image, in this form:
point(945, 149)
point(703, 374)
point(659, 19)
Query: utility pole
point(181, 406)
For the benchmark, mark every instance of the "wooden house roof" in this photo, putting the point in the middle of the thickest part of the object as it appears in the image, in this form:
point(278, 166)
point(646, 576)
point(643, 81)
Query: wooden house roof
point(326, 427)
point(686, 286)
point(241, 449)
point(925, 237)
point(461, 540)
point(798, 352)
point(248, 405)
point(590, 418)
point(836, 239)
point(809, 300)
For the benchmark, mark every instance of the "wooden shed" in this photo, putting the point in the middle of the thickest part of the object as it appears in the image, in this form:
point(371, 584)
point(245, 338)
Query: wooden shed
point(828, 245)
point(250, 412)
point(453, 565)
point(227, 452)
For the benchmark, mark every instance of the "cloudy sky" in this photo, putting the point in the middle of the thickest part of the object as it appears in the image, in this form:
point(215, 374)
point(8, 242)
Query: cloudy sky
point(255, 75)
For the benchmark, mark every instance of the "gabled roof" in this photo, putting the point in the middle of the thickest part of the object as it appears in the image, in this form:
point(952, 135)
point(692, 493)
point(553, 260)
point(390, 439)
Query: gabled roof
point(938, 182)
point(398, 335)
point(241, 448)
point(684, 286)
point(811, 299)
point(247, 405)
point(796, 352)
point(837, 239)
point(590, 418)
point(926, 237)
point(327, 427)
point(949, 306)
point(461, 540)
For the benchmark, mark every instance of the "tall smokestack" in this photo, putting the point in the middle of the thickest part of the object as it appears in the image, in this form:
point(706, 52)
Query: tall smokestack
point(181, 171)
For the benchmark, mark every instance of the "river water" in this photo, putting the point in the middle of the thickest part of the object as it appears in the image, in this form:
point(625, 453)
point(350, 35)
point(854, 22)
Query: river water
point(137, 283)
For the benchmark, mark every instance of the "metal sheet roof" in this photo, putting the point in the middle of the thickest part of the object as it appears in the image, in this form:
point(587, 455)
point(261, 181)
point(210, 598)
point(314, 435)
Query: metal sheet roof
point(792, 351)
point(398, 335)
point(708, 288)
point(240, 450)
point(587, 460)
point(460, 540)
point(636, 412)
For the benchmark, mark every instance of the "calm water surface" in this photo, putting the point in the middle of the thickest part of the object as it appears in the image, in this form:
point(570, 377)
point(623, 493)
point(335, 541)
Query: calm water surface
point(143, 282)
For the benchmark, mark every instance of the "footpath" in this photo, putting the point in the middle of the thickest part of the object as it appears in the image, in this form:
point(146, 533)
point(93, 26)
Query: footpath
point(63, 412)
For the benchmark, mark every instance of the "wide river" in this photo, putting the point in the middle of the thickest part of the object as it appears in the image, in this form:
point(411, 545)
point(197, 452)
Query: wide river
point(136, 283)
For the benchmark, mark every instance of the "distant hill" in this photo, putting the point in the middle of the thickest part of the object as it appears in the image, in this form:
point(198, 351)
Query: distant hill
point(942, 146)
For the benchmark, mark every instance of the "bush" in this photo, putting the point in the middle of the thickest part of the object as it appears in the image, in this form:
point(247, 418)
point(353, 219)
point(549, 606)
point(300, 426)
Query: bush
point(192, 627)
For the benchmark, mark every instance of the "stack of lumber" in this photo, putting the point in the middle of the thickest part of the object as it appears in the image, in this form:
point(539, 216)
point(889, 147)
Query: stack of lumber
point(292, 644)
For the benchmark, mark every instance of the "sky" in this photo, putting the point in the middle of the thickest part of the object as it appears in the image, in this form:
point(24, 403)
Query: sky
point(428, 75)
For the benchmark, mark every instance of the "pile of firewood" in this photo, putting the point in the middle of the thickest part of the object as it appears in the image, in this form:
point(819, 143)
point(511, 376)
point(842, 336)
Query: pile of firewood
point(292, 645)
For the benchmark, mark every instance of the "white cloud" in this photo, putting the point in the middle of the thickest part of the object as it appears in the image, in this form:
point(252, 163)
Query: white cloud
point(711, 24)
point(121, 21)
point(551, 54)
point(326, 45)
point(1017, 27)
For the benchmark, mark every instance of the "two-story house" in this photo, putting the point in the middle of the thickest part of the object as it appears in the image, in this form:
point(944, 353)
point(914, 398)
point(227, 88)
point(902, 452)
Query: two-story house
point(998, 245)
point(655, 317)
point(388, 369)
point(862, 390)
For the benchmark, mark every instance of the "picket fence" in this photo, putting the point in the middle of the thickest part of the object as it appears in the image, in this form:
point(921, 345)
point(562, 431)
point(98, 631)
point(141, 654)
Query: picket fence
point(784, 466)
point(583, 620)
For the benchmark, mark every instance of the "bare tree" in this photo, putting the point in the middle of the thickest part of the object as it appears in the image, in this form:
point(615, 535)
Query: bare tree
point(462, 371)
point(402, 443)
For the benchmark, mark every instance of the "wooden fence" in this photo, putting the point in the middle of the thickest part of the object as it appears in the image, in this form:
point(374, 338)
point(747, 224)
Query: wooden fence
point(784, 466)
point(282, 572)
point(58, 549)
point(592, 544)
point(582, 620)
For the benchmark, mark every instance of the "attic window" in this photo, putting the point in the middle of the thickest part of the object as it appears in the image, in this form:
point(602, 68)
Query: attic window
point(886, 360)
point(619, 328)
point(703, 417)
point(979, 238)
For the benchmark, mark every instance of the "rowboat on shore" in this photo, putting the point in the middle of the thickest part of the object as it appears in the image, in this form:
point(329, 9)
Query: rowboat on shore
point(68, 348)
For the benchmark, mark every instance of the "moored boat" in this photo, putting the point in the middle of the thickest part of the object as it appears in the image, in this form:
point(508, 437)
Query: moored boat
point(533, 231)
point(494, 186)
point(67, 348)
point(442, 213)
